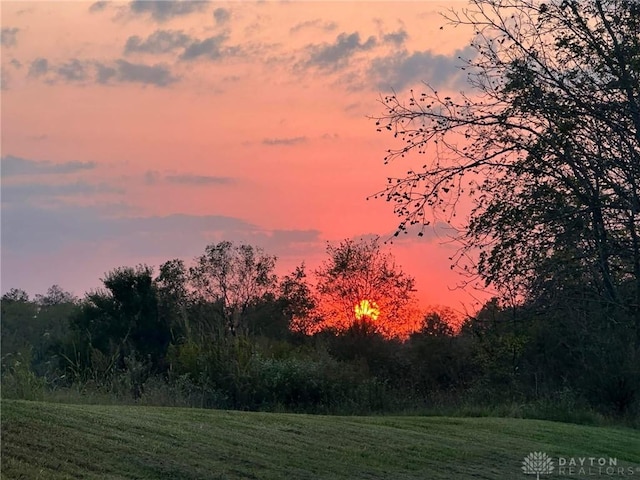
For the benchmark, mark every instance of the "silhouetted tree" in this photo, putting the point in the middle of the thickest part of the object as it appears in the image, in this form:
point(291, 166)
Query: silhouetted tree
point(123, 319)
point(546, 143)
point(436, 326)
point(173, 298)
point(233, 277)
point(299, 303)
point(19, 322)
point(55, 296)
point(34, 329)
point(360, 282)
point(15, 295)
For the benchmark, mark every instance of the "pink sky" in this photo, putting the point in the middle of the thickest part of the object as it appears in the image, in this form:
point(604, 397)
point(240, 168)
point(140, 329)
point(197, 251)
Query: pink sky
point(140, 132)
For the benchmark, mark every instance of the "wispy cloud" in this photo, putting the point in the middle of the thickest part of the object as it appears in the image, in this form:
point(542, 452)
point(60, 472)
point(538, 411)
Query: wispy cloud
point(39, 67)
point(210, 48)
point(317, 23)
point(21, 193)
point(14, 166)
point(153, 177)
point(158, 75)
point(221, 15)
point(105, 73)
point(37, 138)
point(401, 69)
point(72, 71)
point(30, 229)
point(5, 78)
point(159, 42)
point(182, 223)
point(334, 55)
point(8, 36)
point(87, 71)
point(196, 180)
point(98, 6)
point(397, 38)
point(163, 10)
point(280, 237)
point(284, 141)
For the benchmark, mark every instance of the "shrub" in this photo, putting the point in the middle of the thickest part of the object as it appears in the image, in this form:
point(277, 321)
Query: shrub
point(18, 380)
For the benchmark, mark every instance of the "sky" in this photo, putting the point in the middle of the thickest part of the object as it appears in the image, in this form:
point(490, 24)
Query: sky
point(138, 132)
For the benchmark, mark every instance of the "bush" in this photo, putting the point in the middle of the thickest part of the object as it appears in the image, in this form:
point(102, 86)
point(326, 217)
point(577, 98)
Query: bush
point(310, 385)
point(18, 380)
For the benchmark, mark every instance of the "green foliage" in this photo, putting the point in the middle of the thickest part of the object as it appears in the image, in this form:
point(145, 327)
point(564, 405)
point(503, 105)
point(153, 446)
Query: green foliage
point(122, 320)
point(234, 277)
point(19, 322)
point(440, 363)
point(173, 299)
point(15, 295)
point(305, 385)
point(434, 325)
point(18, 380)
point(36, 327)
point(298, 302)
point(245, 378)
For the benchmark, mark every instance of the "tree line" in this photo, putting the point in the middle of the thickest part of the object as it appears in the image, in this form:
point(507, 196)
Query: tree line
point(227, 332)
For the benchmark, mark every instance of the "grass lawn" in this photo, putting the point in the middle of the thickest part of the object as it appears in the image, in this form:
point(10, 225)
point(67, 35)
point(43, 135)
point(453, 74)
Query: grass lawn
point(56, 441)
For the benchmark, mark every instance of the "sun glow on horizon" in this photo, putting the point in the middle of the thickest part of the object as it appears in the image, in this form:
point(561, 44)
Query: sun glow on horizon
point(367, 308)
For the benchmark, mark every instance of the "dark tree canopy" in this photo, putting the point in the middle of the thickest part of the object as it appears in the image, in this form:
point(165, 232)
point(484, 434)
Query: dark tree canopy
point(15, 295)
point(122, 318)
point(546, 143)
point(55, 296)
point(235, 277)
point(299, 303)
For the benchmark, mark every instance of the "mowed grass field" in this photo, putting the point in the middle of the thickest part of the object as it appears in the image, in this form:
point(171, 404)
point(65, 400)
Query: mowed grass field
point(57, 441)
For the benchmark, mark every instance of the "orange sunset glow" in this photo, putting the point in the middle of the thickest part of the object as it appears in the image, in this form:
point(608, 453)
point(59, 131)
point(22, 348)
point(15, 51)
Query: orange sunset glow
point(367, 309)
point(397, 326)
point(138, 132)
